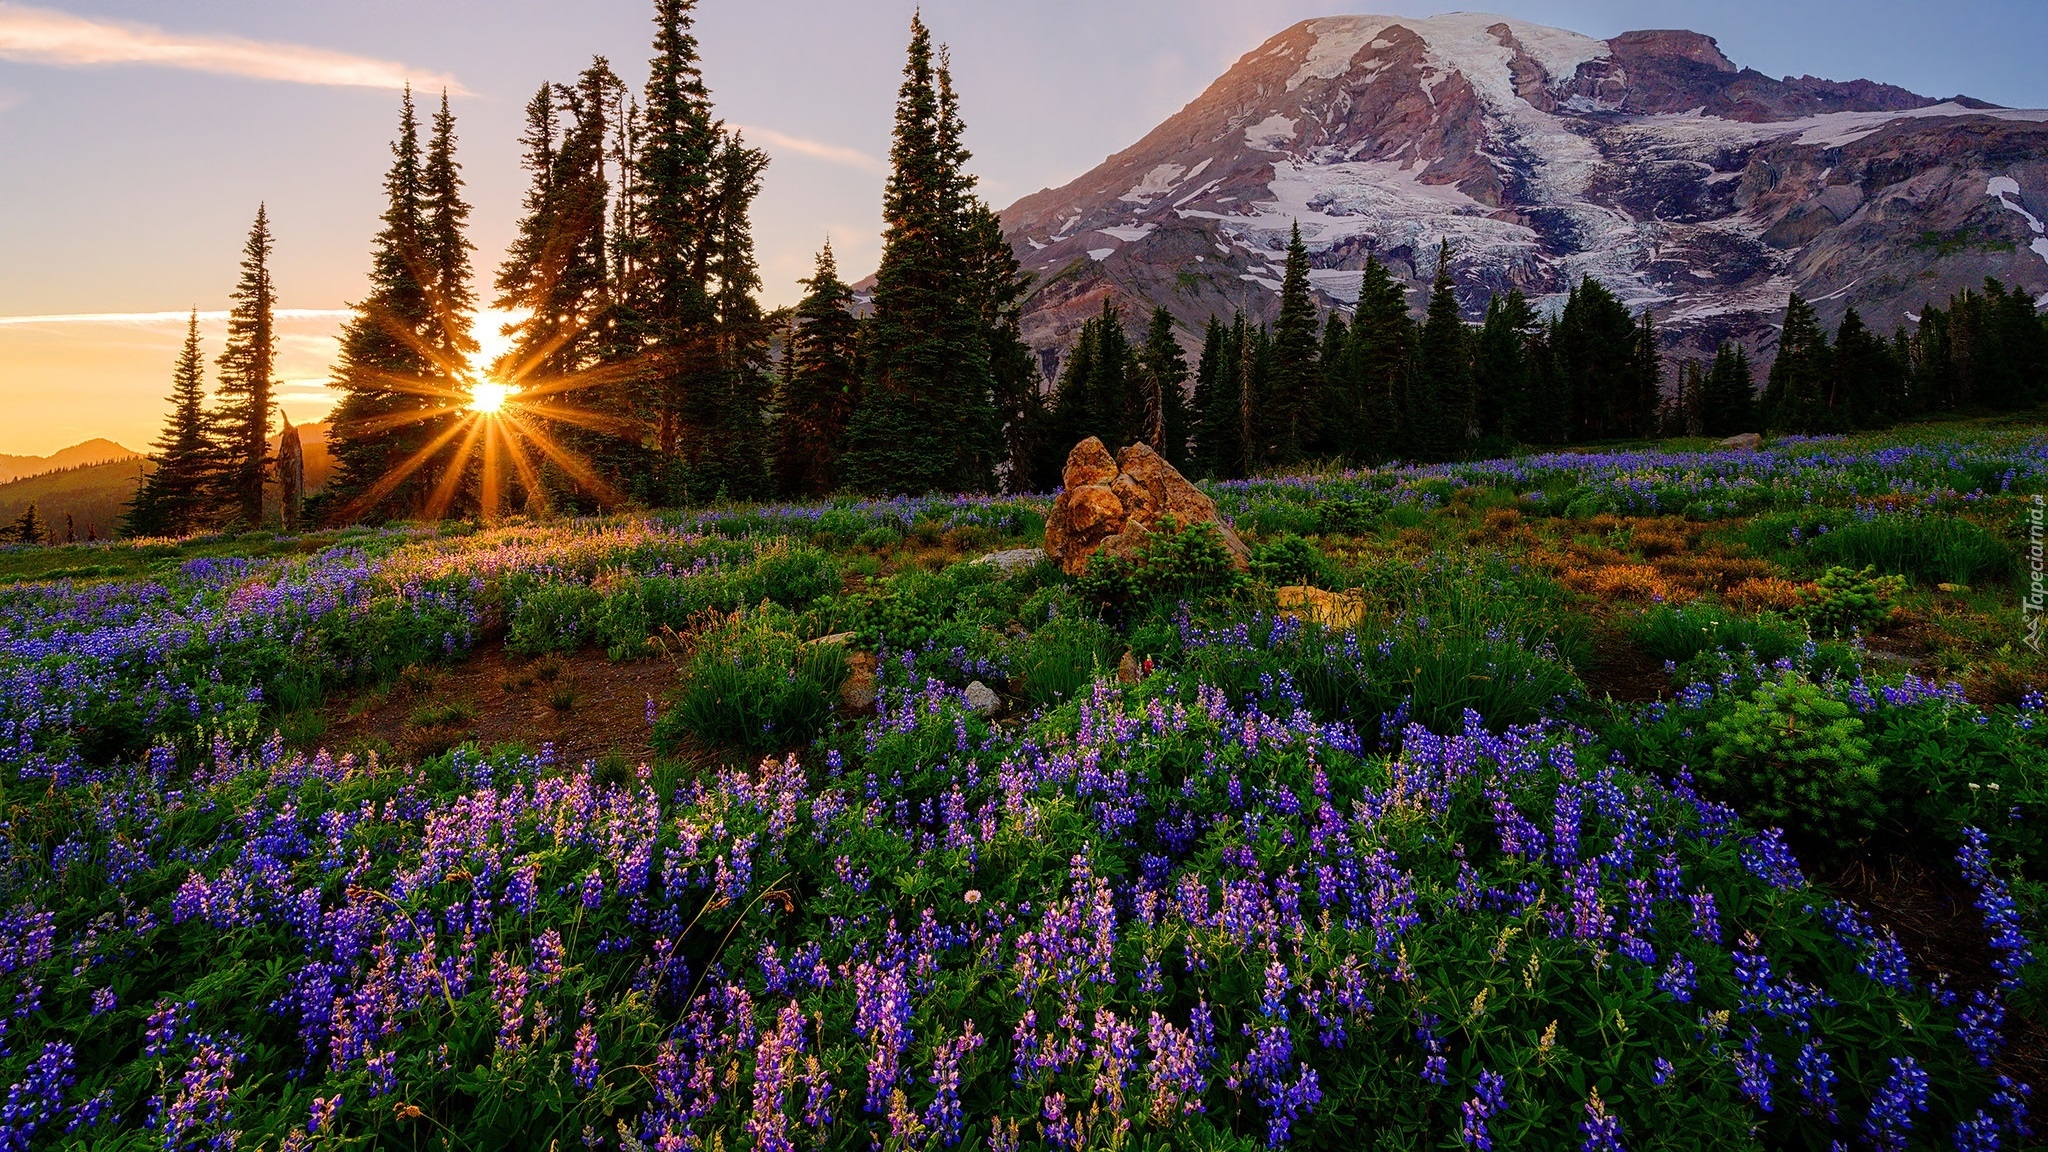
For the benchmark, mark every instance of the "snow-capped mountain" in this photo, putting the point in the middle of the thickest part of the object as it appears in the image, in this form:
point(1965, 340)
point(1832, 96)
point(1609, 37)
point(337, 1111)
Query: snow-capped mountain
point(1689, 186)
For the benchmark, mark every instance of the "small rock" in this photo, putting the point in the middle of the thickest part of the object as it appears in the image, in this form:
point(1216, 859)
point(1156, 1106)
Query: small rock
point(1747, 442)
point(857, 695)
point(835, 640)
point(982, 700)
point(1127, 671)
point(1015, 560)
point(1339, 610)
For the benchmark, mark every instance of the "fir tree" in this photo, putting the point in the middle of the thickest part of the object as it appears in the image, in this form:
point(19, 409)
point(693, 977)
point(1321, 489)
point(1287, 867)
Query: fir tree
point(1164, 369)
point(445, 246)
point(1287, 423)
point(1728, 400)
point(1795, 398)
point(1867, 384)
point(1502, 378)
point(1441, 413)
point(28, 528)
point(1595, 344)
point(248, 369)
point(1216, 447)
point(173, 500)
point(997, 287)
point(821, 387)
point(393, 388)
point(1551, 403)
point(1099, 393)
point(730, 460)
point(1645, 381)
point(1382, 343)
point(927, 417)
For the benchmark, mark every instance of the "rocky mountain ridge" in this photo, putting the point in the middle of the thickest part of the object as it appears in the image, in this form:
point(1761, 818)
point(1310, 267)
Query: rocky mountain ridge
point(1690, 186)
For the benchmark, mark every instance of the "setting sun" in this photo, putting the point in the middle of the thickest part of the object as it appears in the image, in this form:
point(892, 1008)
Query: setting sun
point(488, 397)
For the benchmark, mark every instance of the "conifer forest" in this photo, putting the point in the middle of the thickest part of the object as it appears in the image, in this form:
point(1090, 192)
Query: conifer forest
point(712, 727)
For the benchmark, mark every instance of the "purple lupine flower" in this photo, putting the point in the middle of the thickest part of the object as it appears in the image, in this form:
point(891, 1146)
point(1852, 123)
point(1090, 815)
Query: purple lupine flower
point(583, 1062)
point(1890, 1121)
point(1435, 1066)
point(1817, 1079)
point(1489, 1099)
point(1601, 1128)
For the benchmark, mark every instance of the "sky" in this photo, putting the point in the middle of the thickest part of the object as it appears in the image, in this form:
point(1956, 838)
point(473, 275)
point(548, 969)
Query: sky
point(138, 137)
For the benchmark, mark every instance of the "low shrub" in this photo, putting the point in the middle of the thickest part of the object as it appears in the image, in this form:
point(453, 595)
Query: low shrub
point(1842, 600)
point(1057, 661)
point(754, 683)
point(1678, 634)
point(1291, 560)
point(1793, 756)
point(1174, 565)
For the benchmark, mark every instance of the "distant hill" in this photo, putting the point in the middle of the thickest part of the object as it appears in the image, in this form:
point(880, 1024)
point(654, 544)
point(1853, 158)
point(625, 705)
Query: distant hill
point(14, 468)
point(94, 495)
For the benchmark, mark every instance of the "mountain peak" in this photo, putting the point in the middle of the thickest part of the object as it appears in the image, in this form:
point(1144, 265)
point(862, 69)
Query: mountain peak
point(1684, 182)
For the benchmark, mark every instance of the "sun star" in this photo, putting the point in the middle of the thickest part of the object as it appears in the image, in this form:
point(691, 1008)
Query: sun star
point(488, 397)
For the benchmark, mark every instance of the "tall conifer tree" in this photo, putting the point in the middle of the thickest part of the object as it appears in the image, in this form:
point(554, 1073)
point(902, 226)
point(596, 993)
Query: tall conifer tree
point(1216, 448)
point(172, 500)
point(1728, 403)
point(1382, 343)
point(927, 417)
point(1442, 409)
point(393, 385)
point(248, 370)
point(1502, 379)
point(1288, 423)
point(1165, 371)
point(822, 385)
point(1795, 398)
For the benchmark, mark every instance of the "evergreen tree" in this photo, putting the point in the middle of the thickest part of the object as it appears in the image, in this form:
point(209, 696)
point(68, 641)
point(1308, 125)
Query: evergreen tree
point(997, 287)
point(1645, 381)
point(248, 368)
point(1100, 392)
point(1501, 368)
point(731, 458)
point(1216, 447)
point(927, 418)
point(1382, 346)
point(28, 528)
point(1728, 396)
point(1164, 369)
point(1868, 383)
point(1595, 343)
point(173, 500)
point(1551, 402)
point(821, 386)
point(395, 399)
point(1336, 416)
point(1795, 398)
point(445, 246)
point(1287, 423)
point(1441, 412)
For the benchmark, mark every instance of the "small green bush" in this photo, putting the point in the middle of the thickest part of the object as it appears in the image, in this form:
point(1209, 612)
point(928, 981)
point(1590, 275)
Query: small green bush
point(1063, 658)
point(879, 539)
point(551, 618)
point(1793, 756)
point(753, 683)
point(1291, 560)
point(1845, 600)
point(1174, 565)
point(1352, 517)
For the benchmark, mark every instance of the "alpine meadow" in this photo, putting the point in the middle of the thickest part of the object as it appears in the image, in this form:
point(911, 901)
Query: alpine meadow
point(1477, 588)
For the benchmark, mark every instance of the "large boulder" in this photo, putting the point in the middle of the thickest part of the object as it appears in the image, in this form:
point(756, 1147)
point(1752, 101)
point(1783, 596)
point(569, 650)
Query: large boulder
point(1112, 504)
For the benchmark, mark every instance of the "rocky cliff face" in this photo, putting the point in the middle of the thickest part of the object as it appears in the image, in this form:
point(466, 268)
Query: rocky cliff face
point(1690, 186)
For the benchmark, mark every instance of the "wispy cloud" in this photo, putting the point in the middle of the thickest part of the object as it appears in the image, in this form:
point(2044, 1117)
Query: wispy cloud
point(155, 319)
point(45, 36)
point(830, 153)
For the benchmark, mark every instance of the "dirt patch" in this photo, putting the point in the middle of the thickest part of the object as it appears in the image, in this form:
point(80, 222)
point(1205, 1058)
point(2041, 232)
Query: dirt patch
point(588, 707)
point(1624, 670)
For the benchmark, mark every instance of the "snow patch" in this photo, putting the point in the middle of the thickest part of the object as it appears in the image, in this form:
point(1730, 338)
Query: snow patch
point(1337, 42)
point(1100, 254)
point(2004, 187)
point(1272, 134)
point(1128, 234)
point(1035, 245)
point(1156, 183)
point(2040, 248)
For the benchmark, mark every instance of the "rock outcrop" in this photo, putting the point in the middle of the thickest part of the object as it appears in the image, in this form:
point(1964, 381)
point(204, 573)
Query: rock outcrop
point(1112, 503)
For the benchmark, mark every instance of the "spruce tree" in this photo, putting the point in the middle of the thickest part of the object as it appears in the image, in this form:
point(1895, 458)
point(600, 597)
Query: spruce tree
point(822, 386)
point(248, 368)
point(1441, 414)
point(997, 287)
point(28, 528)
point(1337, 419)
point(1164, 369)
point(1216, 448)
point(927, 419)
point(730, 460)
point(1502, 379)
point(1287, 423)
point(1645, 382)
point(445, 246)
point(1795, 398)
point(1595, 344)
point(1867, 382)
point(1383, 344)
point(1728, 402)
point(172, 500)
point(394, 392)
